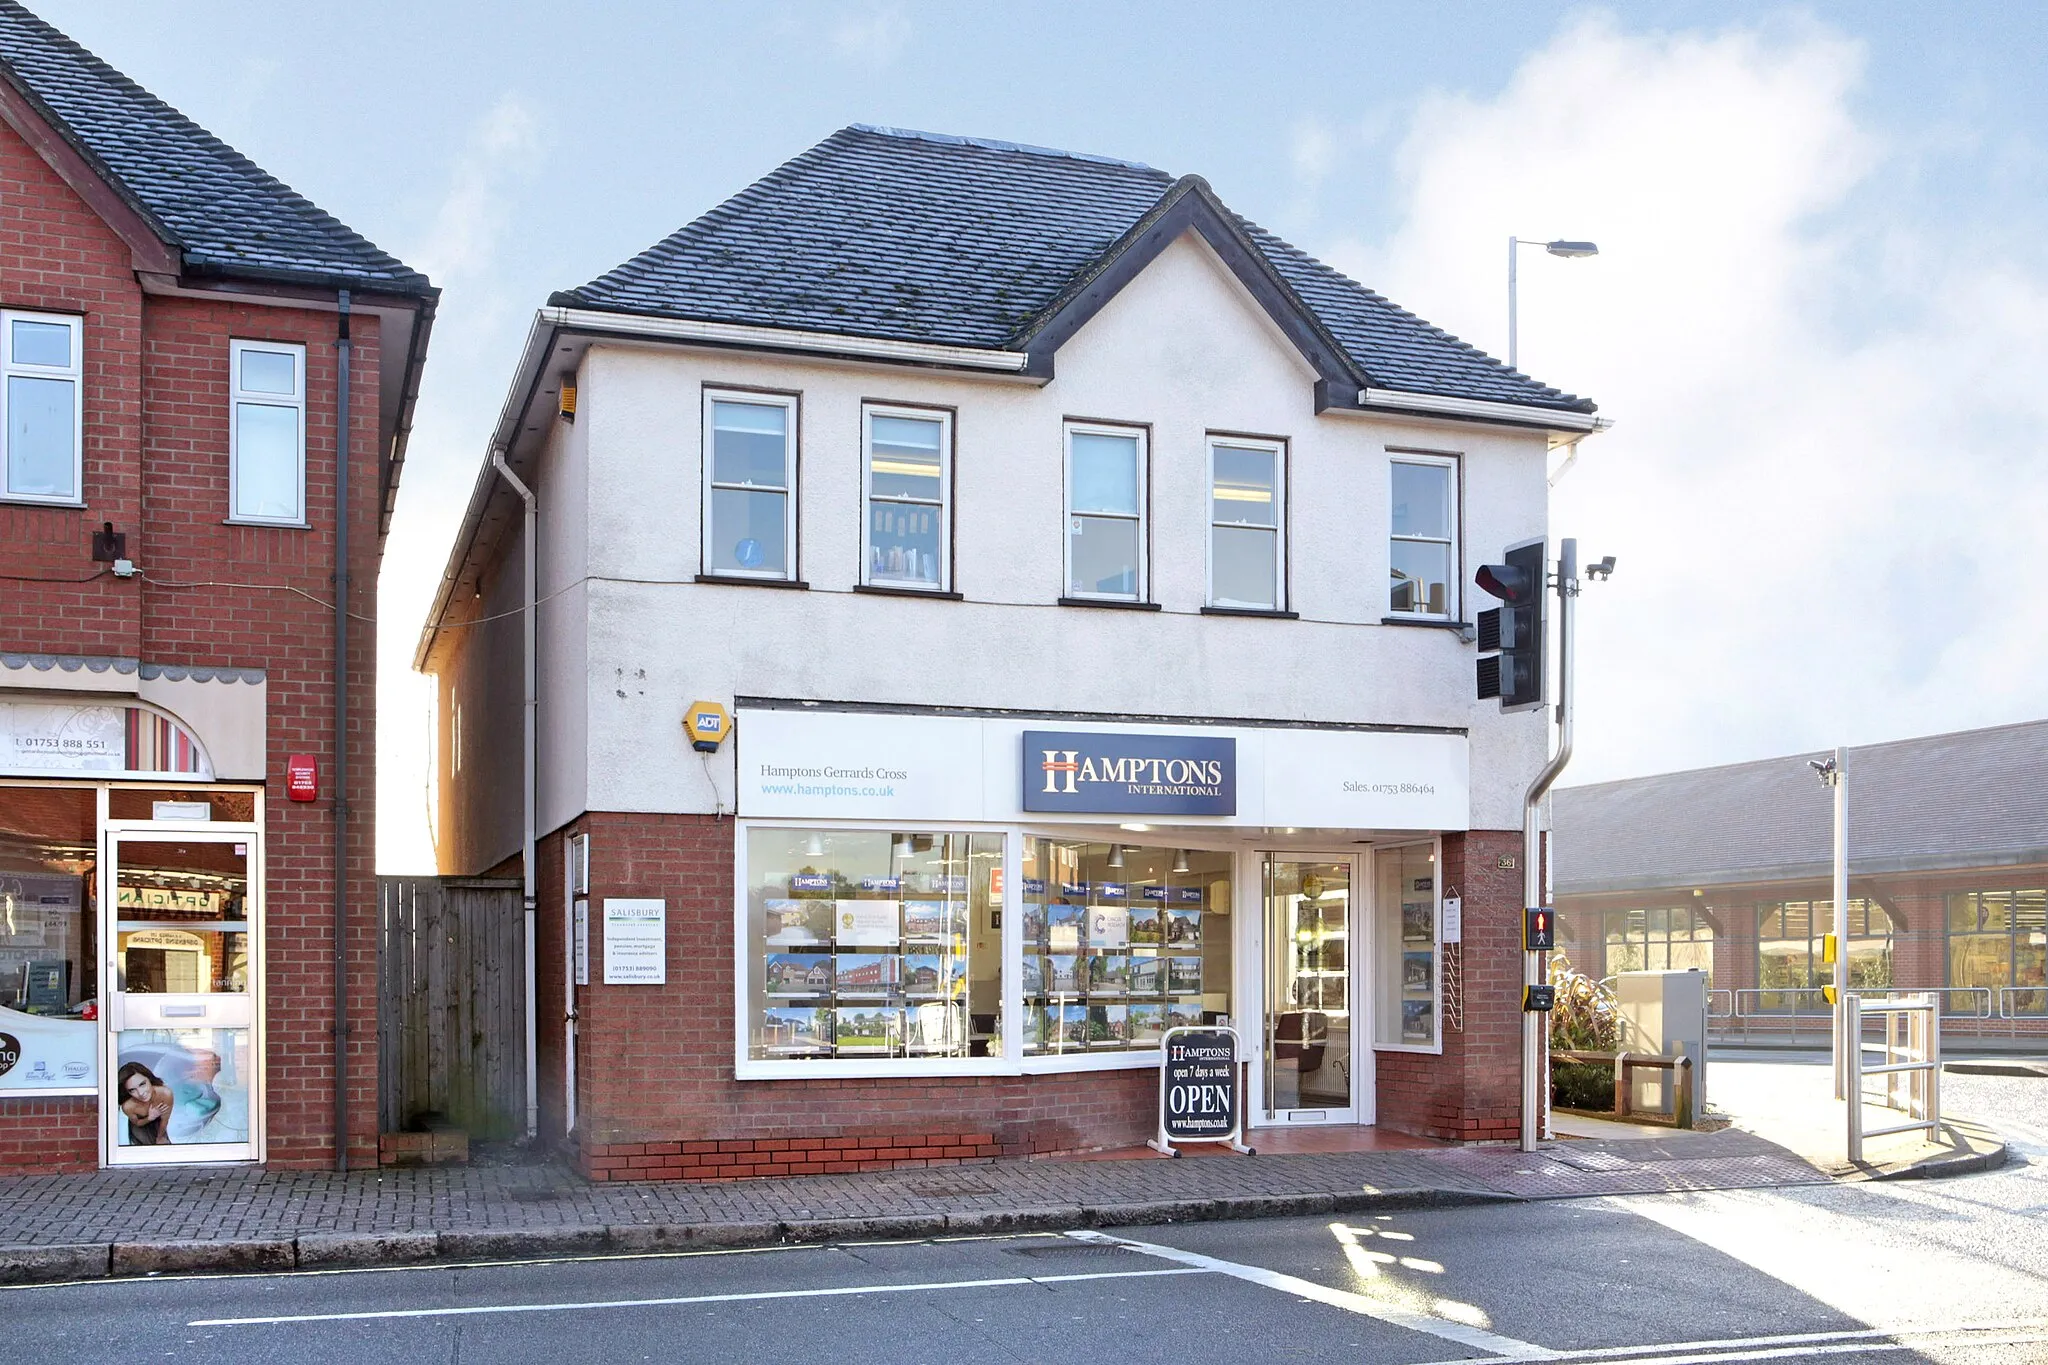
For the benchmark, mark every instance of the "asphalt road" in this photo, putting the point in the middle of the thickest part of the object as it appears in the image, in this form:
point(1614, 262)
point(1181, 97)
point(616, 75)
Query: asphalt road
point(1946, 1271)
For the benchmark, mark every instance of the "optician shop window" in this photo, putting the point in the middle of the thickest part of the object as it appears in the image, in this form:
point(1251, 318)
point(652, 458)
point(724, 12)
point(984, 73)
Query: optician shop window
point(1121, 943)
point(868, 944)
point(49, 936)
point(908, 478)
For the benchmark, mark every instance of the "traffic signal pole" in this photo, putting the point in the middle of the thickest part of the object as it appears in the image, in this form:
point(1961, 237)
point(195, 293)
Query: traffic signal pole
point(1841, 964)
point(1536, 1024)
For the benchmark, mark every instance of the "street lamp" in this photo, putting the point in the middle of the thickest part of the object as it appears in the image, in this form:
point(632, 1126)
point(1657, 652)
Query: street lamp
point(1568, 250)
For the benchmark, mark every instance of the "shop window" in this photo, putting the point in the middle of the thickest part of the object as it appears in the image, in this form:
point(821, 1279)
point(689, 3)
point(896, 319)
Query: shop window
point(1105, 512)
point(1790, 969)
point(267, 434)
point(1423, 537)
point(41, 406)
point(49, 939)
point(864, 945)
point(750, 485)
point(907, 485)
point(1407, 945)
point(1121, 943)
point(1677, 939)
point(1998, 941)
point(1247, 525)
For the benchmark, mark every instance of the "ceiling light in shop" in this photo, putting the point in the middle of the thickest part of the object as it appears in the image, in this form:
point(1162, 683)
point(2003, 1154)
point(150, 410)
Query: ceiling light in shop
point(1180, 860)
point(1116, 855)
point(814, 847)
point(1136, 827)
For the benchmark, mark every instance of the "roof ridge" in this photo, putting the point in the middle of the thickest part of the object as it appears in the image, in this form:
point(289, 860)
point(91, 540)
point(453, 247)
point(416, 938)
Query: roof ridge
point(997, 145)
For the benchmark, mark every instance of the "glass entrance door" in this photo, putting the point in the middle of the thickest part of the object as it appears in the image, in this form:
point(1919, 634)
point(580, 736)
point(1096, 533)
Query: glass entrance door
point(181, 1066)
point(1309, 1039)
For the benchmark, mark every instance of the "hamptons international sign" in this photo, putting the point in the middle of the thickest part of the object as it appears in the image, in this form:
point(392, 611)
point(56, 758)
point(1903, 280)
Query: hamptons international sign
point(1122, 774)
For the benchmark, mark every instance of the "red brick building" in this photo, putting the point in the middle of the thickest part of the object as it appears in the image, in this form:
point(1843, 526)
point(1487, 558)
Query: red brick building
point(1730, 870)
point(177, 329)
point(1084, 570)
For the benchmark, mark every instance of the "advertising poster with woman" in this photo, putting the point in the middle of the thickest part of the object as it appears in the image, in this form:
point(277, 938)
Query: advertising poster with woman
point(183, 1088)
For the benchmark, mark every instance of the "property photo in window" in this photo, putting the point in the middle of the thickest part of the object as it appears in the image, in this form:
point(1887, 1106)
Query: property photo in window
point(267, 436)
point(1247, 526)
point(1407, 947)
point(750, 485)
point(1422, 549)
point(1105, 512)
point(860, 945)
point(42, 362)
point(907, 482)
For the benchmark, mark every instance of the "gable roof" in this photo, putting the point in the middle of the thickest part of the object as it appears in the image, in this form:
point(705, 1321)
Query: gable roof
point(902, 236)
point(1973, 798)
point(221, 212)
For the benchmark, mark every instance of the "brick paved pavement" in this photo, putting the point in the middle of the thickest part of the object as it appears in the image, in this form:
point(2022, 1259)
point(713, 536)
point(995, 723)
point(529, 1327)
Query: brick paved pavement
point(228, 1205)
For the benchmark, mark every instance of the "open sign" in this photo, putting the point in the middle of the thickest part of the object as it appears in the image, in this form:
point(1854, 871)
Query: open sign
point(1200, 1098)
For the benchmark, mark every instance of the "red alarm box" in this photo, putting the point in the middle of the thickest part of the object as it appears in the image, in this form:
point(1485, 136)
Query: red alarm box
point(302, 777)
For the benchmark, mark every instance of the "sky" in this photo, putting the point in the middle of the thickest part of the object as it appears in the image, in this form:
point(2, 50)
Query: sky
point(1818, 319)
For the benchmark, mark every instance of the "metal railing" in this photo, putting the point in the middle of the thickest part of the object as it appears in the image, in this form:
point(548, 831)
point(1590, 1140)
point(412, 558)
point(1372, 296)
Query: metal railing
point(1722, 993)
point(2008, 994)
point(1813, 1000)
point(1911, 1066)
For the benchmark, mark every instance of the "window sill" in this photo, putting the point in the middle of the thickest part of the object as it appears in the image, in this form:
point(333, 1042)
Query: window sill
point(23, 500)
point(1435, 1049)
point(1114, 604)
point(1428, 623)
point(886, 590)
point(272, 525)
point(735, 581)
point(1252, 611)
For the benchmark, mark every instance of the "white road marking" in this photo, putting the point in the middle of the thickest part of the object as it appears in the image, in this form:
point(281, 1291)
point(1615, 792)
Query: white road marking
point(1792, 1344)
point(841, 1291)
point(1464, 1335)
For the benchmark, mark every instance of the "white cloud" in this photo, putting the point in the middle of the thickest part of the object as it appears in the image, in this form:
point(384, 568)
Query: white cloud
point(1824, 476)
point(502, 147)
point(872, 37)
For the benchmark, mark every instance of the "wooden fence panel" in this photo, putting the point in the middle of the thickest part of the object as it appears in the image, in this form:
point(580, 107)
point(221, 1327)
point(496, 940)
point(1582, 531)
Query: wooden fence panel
point(451, 968)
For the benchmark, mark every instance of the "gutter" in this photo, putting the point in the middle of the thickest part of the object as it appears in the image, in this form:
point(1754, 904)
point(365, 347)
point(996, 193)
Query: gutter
point(1520, 414)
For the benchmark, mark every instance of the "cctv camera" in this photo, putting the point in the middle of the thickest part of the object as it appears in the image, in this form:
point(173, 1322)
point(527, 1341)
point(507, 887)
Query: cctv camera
point(1603, 569)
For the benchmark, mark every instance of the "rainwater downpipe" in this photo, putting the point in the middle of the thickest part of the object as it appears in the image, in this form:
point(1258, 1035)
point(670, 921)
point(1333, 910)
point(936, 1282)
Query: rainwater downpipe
point(528, 786)
point(1535, 1025)
point(341, 589)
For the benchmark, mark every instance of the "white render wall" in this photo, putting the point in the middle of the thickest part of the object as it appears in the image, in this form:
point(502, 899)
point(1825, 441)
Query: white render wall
point(1184, 349)
point(628, 640)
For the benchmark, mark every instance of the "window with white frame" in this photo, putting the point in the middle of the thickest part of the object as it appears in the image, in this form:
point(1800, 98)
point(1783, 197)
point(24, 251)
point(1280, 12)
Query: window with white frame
point(907, 481)
point(1423, 540)
point(1247, 524)
point(41, 406)
point(1105, 512)
point(750, 485)
point(267, 439)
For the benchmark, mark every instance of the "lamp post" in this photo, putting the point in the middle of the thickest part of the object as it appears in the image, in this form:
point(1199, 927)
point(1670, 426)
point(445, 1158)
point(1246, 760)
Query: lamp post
point(1568, 250)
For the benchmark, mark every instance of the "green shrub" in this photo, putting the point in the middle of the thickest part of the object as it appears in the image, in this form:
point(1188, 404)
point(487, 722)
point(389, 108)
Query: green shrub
point(1586, 1017)
point(1582, 1085)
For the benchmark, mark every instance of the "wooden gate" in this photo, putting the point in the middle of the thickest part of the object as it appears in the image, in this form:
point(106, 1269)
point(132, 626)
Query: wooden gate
point(451, 1030)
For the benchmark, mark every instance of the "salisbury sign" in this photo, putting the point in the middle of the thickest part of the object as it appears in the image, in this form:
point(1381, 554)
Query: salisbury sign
point(1113, 774)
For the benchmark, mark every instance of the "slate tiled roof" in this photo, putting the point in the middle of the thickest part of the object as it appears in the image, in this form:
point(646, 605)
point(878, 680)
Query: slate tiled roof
point(1968, 799)
point(226, 214)
point(920, 237)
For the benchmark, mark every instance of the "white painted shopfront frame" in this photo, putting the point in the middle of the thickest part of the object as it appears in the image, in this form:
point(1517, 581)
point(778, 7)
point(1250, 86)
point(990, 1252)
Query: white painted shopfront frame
point(1436, 860)
point(1358, 988)
point(197, 831)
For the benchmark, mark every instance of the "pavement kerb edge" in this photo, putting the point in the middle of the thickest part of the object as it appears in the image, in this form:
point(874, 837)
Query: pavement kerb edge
point(1973, 1163)
point(42, 1265)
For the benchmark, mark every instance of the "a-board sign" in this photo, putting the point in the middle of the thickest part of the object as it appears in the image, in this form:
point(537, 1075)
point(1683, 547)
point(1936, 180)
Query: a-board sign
point(1199, 1098)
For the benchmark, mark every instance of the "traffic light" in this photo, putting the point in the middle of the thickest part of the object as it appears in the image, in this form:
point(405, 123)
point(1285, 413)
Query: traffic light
point(1539, 929)
point(1511, 635)
point(1536, 999)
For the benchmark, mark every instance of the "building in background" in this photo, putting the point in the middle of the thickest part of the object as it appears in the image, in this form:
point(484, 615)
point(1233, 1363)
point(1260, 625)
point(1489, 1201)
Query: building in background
point(1084, 569)
point(1729, 870)
point(174, 323)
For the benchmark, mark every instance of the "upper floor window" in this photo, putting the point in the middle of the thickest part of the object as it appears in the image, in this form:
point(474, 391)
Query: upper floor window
point(42, 361)
point(1423, 539)
point(267, 437)
point(1247, 524)
point(1105, 512)
point(907, 480)
point(750, 484)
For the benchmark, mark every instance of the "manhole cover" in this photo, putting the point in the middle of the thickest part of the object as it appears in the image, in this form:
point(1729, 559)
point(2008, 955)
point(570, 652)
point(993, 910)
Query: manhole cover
point(1593, 1161)
point(1065, 1249)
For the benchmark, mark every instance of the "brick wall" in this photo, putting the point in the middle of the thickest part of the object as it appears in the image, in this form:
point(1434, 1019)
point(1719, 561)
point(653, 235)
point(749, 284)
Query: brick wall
point(40, 1136)
point(1472, 1092)
point(156, 465)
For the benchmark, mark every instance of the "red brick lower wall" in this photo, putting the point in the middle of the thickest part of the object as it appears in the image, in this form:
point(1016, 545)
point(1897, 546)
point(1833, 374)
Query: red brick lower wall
point(748, 1157)
point(44, 1136)
point(1472, 1092)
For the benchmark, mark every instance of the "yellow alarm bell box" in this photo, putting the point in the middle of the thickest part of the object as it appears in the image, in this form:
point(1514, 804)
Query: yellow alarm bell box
point(708, 724)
